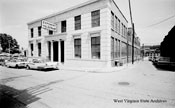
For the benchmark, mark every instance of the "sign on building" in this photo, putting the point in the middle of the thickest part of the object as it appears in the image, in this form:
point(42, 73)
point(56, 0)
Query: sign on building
point(48, 25)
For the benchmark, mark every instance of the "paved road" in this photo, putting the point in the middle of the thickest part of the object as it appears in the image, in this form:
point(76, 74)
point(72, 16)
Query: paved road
point(138, 86)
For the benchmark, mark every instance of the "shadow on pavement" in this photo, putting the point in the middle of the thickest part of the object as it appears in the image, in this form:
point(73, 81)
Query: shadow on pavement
point(13, 98)
point(165, 68)
point(6, 80)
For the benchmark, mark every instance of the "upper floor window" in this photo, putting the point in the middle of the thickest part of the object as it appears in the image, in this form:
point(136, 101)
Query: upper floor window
point(77, 22)
point(31, 31)
point(112, 20)
point(63, 26)
point(95, 18)
point(39, 31)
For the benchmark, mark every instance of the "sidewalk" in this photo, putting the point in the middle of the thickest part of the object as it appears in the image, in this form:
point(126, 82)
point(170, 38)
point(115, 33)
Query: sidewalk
point(99, 70)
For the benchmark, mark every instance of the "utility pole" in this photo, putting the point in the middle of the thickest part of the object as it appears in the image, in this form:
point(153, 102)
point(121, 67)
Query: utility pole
point(133, 32)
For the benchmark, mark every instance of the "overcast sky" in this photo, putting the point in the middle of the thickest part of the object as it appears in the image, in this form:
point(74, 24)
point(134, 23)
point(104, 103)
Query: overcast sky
point(15, 14)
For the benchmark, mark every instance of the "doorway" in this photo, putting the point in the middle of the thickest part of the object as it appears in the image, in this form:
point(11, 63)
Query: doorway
point(55, 51)
point(62, 51)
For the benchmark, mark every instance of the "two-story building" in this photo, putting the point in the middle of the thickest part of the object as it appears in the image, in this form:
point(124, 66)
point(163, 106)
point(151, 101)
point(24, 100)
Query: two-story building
point(92, 34)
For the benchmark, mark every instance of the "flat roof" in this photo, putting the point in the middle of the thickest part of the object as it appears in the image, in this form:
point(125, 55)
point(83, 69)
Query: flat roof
point(72, 8)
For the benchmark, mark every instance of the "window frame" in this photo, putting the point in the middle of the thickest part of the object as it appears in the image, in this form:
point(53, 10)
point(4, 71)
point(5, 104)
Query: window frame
point(95, 53)
point(32, 32)
point(63, 26)
point(79, 48)
point(39, 30)
point(95, 18)
point(77, 21)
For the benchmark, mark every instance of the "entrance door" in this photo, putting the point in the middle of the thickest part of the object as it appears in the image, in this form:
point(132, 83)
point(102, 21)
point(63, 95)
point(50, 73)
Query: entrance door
point(55, 51)
point(62, 51)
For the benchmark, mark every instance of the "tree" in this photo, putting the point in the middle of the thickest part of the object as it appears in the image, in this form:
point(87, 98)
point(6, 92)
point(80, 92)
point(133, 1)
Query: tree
point(8, 43)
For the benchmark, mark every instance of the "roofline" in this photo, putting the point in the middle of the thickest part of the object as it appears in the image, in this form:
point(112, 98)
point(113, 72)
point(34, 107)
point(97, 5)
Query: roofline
point(120, 11)
point(64, 11)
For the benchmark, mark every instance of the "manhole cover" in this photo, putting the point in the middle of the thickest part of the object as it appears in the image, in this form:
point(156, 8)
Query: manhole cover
point(123, 83)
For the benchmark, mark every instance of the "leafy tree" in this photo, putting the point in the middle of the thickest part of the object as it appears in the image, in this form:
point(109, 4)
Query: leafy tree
point(7, 42)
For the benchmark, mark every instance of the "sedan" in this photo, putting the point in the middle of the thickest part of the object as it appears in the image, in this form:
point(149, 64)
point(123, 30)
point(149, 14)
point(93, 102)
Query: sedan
point(41, 64)
point(17, 63)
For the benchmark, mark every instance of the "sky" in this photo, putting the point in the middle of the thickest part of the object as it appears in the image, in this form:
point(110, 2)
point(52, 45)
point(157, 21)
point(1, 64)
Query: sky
point(147, 15)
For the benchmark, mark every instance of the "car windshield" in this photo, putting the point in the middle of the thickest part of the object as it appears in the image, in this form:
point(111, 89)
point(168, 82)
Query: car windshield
point(38, 61)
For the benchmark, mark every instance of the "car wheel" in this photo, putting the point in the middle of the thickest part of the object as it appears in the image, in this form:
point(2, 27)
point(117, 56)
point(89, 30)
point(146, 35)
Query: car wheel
point(17, 66)
point(27, 67)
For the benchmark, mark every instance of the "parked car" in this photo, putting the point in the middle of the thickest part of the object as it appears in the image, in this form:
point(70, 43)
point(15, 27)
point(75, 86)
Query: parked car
point(17, 63)
point(162, 61)
point(41, 64)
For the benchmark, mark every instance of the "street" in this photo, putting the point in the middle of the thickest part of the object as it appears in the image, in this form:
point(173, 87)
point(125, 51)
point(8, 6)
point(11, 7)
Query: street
point(138, 86)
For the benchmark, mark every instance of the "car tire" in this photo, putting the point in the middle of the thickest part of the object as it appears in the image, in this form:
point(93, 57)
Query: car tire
point(17, 66)
point(27, 67)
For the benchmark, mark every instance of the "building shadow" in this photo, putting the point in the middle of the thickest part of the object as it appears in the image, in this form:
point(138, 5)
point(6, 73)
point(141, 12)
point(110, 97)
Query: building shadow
point(165, 68)
point(23, 97)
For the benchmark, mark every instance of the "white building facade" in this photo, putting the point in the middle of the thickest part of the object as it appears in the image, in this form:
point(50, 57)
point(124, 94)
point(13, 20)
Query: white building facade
point(92, 34)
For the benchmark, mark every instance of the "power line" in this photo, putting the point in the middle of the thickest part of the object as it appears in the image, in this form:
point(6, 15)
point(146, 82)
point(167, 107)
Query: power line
point(161, 21)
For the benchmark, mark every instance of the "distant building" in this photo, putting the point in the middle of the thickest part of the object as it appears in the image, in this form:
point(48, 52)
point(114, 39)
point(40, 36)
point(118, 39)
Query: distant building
point(151, 50)
point(92, 34)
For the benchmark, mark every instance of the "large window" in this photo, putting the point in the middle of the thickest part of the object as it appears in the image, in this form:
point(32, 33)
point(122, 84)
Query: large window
point(124, 49)
point(39, 31)
point(112, 48)
point(77, 22)
point(112, 20)
point(31, 31)
point(95, 47)
point(77, 47)
point(115, 48)
point(39, 49)
point(116, 22)
point(63, 26)
point(31, 47)
point(118, 26)
point(95, 18)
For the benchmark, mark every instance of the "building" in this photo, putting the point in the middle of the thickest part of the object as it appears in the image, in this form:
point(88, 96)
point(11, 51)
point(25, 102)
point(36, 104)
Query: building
point(92, 34)
point(151, 50)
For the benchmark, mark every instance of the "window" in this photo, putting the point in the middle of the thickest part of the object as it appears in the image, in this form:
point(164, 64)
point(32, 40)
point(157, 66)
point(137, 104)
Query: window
point(124, 49)
point(116, 22)
point(77, 22)
point(112, 48)
point(77, 48)
point(63, 26)
point(39, 31)
point(118, 48)
point(31, 31)
point(50, 32)
point(118, 26)
point(95, 18)
point(31, 47)
point(39, 49)
point(112, 20)
point(95, 47)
